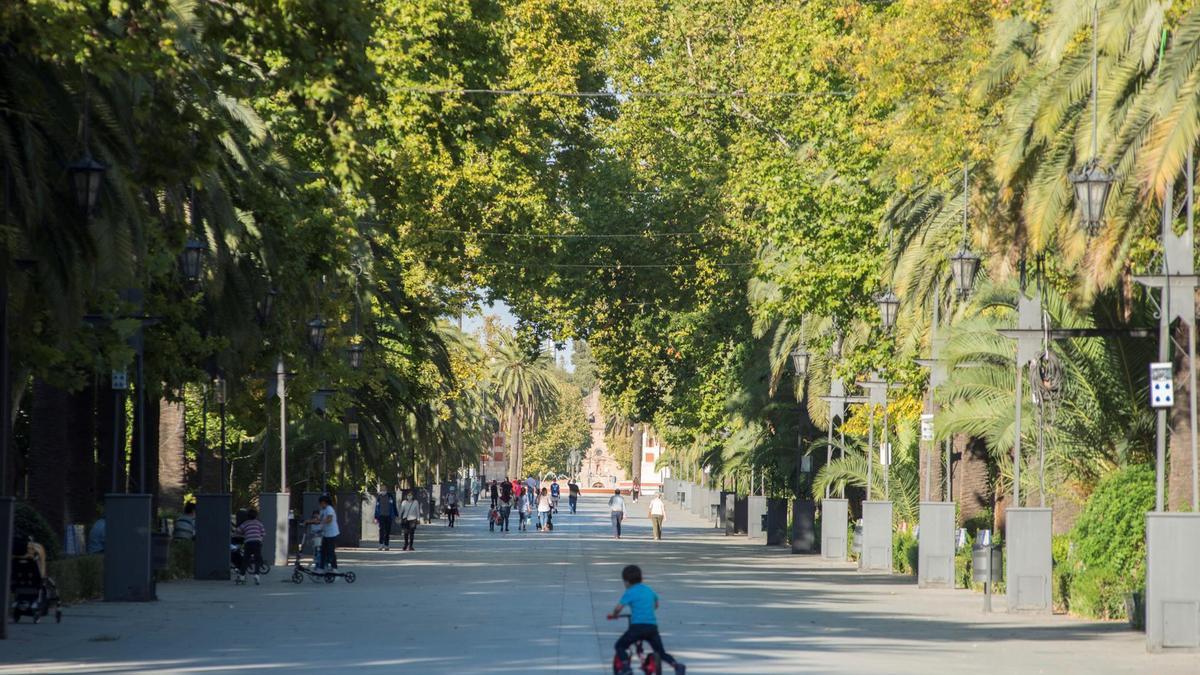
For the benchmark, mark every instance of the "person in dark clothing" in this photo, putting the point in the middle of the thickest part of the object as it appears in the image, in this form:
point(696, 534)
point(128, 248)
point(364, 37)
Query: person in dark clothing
point(386, 512)
point(505, 504)
point(573, 495)
point(495, 493)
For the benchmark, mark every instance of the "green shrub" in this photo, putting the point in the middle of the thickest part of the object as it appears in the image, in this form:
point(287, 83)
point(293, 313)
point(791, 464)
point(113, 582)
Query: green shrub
point(27, 521)
point(1063, 572)
point(179, 564)
point(904, 553)
point(79, 578)
point(1109, 558)
point(980, 521)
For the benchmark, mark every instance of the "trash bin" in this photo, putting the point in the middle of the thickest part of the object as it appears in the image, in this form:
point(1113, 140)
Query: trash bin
point(160, 550)
point(980, 565)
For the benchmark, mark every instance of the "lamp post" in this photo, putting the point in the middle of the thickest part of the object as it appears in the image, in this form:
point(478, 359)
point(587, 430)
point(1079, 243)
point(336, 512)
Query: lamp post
point(192, 260)
point(1092, 183)
point(355, 355)
point(889, 308)
point(804, 511)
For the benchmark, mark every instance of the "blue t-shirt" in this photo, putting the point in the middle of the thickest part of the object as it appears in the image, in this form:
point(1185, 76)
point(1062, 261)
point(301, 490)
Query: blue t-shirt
point(640, 599)
point(554, 489)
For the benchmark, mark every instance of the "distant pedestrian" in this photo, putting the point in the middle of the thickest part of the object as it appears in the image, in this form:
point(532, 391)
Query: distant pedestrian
point(555, 491)
point(386, 512)
point(495, 493)
point(658, 511)
point(506, 504)
point(516, 488)
point(573, 495)
point(544, 507)
point(410, 515)
point(526, 508)
point(185, 525)
point(616, 508)
point(253, 533)
point(637, 489)
point(451, 507)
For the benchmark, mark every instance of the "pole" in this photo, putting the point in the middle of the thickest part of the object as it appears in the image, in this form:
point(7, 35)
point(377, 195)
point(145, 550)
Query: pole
point(203, 437)
point(829, 448)
point(1017, 436)
point(7, 504)
point(281, 387)
point(118, 435)
point(870, 448)
point(886, 483)
point(1164, 354)
point(1191, 213)
point(141, 405)
point(948, 497)
point(224, 464)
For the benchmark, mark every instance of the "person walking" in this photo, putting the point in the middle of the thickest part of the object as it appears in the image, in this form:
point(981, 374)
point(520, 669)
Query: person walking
point(451, 507)
point(657, 511)
point(505, 505)
point(329, 532)
point(386, 513)
point(410, 515)
point(526, 509)
point(555, 492)
point(616, 508)
point(544, 507)
point(637, 489)
point(495, 493)
point(573, 494)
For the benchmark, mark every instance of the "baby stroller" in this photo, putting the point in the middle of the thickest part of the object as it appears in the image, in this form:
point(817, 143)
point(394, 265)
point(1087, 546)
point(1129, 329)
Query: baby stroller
point(33, 593)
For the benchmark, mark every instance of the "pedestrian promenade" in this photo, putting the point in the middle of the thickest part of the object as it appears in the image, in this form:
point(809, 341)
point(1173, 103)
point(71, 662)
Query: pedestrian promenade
point(472, 601)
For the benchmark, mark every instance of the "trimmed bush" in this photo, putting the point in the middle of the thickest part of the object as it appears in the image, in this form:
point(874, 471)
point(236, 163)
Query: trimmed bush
point(1109, 558)
point(904, 553)
point(79, 578)
point(27, 521)
point(179, 563)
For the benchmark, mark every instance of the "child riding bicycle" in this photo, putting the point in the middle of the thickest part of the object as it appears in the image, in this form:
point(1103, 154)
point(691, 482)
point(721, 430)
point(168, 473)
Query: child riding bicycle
point(642, 602)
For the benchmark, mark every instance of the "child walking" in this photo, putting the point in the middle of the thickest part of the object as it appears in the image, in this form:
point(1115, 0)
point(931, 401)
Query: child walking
point(642, 602)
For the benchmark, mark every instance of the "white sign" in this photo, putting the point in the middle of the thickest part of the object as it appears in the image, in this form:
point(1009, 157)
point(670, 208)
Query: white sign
point(120, 380)
point(806, 464)
point(1162, 386)
point(927, 427)
point(885, 454)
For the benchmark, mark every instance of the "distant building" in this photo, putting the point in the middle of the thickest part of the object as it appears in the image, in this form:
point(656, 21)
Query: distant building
point(599, 468)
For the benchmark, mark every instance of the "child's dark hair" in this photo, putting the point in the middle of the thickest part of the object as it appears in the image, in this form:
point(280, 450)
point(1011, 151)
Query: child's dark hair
point(632, 574)
point(252, 513)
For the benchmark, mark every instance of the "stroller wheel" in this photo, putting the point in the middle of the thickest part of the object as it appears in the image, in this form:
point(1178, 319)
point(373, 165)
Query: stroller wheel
point(329, 578)
point(297, 577)
point(350, 577)
point(264, 569)
point(58, 616)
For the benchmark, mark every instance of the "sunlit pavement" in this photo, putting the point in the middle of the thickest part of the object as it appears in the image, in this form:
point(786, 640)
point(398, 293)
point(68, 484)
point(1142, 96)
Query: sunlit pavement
point(472, 601)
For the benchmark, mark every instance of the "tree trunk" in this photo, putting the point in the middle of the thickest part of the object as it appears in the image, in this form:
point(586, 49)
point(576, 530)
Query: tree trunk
point(1179, 454)
point(971, 484)
point(150, 459)
point(172, 464)
point(635, 462)
point(49, 443)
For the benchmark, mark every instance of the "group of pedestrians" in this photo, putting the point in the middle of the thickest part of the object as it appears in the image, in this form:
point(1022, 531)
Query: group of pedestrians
point(407, 513)
point(535, 504)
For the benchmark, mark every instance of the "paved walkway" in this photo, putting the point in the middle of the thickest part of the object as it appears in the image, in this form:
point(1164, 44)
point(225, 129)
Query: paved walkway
point(471, 601)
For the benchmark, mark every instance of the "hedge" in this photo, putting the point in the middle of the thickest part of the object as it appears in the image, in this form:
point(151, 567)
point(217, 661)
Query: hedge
point(82, 577)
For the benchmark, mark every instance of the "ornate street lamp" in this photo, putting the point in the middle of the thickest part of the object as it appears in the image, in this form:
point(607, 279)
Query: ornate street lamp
point(86, 174)
point(316, 334)
point(1092, 183)
point(355, 353)
point(218, 390)
point(192, 260)
point(964, 267)
point(800, 362)
point(889, 307)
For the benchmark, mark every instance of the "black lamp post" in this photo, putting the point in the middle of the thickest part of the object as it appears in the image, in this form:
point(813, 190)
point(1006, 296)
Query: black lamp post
point(263, 310)
point(800, 362)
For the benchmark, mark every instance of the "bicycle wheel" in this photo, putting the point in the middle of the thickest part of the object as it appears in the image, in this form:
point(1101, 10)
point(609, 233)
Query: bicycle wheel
point(263, 568)
point(297, 577)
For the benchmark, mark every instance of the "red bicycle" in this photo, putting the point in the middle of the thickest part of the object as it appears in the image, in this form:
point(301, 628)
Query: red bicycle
point(623, 663)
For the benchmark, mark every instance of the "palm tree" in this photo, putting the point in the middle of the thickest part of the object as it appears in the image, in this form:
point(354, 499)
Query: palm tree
point(524, 389)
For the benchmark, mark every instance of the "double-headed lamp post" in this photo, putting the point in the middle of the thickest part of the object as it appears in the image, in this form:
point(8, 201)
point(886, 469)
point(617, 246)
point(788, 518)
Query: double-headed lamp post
point(800, 358)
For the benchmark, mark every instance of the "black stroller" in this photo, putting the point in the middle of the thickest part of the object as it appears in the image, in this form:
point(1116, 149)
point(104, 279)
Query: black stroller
point(33, 592)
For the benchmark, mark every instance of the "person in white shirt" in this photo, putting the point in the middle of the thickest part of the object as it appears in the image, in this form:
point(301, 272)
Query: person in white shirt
point(329, 532)
point(658, 510)
point(410, 515)
point(616, 507)
point(543, 508)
